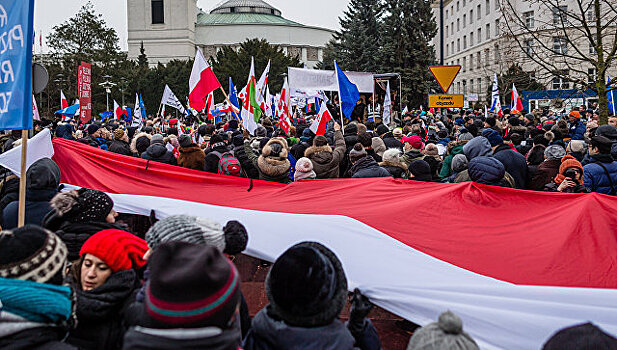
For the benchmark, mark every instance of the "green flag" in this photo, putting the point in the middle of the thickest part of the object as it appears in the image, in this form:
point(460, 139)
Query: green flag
point(253, 101)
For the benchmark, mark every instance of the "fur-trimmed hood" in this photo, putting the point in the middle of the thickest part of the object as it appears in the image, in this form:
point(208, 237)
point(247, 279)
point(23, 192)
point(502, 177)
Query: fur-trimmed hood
point(267, 150)
point(134, 141)
point(521, 130)
point(273, 166)
point(394, 164)
point(317, 149)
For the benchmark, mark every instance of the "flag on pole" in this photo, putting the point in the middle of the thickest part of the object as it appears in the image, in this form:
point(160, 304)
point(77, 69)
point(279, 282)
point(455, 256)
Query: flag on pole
point(282, 108)
point(171, 100)
point(244, 92)
point(612, 109)
point(118, 111)
point(68, 112)
point(496, 103)
point(138, 115)
point(63, 101)
point(201, 83)
point(233, 98)
point(210, 105)
point(516, 100)
point(405, 110)
point(387, 106)
point(321, 122)
point(485, 112)
point(251, 112)
point(262, 84)
point(105, 115)
point(266, 104)
point(35, 110)
point(348, 92)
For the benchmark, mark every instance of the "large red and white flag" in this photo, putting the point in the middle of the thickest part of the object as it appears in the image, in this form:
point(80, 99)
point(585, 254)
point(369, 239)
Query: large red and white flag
point(514, 268)
point(282, 108)
point(202, 82)
point(63, 101)
point(319, 124)
point(517, 103)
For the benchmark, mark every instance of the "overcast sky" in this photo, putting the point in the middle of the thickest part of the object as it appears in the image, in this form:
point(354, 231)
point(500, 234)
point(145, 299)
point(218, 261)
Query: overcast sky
point(48, 13)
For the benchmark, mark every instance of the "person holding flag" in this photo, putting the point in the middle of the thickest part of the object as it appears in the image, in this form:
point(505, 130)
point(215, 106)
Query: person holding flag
point(348, 93)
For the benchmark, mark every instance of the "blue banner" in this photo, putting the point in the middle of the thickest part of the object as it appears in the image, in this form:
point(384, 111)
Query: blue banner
point(17, 33)
point(348, 92)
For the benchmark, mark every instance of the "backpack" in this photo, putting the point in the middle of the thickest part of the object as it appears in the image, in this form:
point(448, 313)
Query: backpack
point(229, 165)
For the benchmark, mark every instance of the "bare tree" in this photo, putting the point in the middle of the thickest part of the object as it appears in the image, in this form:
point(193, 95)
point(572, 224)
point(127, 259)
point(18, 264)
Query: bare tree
point(573, 41)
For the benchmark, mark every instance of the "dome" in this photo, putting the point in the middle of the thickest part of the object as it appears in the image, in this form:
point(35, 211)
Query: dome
point(246, 6)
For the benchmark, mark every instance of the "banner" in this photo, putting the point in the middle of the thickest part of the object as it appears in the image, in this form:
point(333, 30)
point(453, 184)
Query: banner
point(84, 82)
point(310, 81)
point(17, 33)
point(171, 100)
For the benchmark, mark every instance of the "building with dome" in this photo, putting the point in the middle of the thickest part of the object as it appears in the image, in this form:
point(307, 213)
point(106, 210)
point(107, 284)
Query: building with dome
point(171, 29)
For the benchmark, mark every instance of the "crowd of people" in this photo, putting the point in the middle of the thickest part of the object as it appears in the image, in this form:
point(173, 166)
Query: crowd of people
point(74, 278)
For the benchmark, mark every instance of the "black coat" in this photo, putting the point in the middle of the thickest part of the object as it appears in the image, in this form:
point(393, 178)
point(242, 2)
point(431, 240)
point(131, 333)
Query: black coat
point(42, 338)
point(9, 193)
point(391, 141)
point(368, 167)
point(212, 159)
point(159, 153)
point(514, 162)
point(247, 166)
point(37, 207)
point(100, 312)
point(137, 339)
point(120, 147)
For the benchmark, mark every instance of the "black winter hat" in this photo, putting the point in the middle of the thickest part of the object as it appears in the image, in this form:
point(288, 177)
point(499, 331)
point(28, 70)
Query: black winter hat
point(233, 124)
point(581, 337)
point(365, 139)
point(208, 281)
point(381, 129)
point(83, 205)
point(216, 138)
point(32, 253)
point(320, 140)
point(351, 129)
point(306, 286)
point(421, 170)
point(185, 141)
point(142, 143)
point(607, 131)
point(238, 140)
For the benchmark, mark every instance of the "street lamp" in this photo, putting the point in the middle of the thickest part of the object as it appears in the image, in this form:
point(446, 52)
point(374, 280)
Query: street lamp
point(123, 82)
point(107, 85)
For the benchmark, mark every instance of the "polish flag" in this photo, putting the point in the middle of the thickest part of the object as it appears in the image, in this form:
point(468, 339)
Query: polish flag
point(118, 111)
point(210, 105)
point(505, 275)
point(35, 110)
point(202, 82)
point(63, 101)
point(319, 124)
point(517, 103)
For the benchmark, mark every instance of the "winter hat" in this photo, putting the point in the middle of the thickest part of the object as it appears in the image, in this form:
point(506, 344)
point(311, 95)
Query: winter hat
point(92, 128)
point(378, 146)
point(397, 133)
point(120, 250)
point(320, 141)
point(580, 337)
point(231, 239)
point(83, 205)
point(185, 141)
point(44, 174)
point(233, 124)
point(381, 129)
point(304, 170)
point(118, 134)
point(31, 253)
point(357, 152)
point(261, 132)
point(392, 155)
point(208, 281)
point(157, 139)
point(238, 140)
point(554, 152)
point(306, 286)
point(607, 131)
point(415, 141)
point(494, 138)
point(466, 136)
point(576, 146)
point(575, 114)
point(142, 142)
point(216, 138)
point(431, 150)
point(568, 162)
point(447, 333)
point(478, 146)
point(365, 139)
point(351, 129)
point(421, 170)
point(459, 163)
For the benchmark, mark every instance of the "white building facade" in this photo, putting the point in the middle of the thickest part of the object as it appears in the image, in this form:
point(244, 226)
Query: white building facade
point(477, 38)
point(171, 29)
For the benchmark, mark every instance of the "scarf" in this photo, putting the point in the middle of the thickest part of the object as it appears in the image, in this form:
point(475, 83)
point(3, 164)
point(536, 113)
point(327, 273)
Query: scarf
point(36, 302)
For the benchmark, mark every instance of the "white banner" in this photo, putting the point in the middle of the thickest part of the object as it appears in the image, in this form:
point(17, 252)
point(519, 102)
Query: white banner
point(171, 100)
point(38, 147)
point(309, 81)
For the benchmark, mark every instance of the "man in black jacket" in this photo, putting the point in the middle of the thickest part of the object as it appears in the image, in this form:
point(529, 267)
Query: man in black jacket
point(158, 152)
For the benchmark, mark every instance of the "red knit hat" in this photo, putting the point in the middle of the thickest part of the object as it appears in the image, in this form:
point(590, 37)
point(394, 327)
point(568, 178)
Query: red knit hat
point(415, 141)
point(120, 250)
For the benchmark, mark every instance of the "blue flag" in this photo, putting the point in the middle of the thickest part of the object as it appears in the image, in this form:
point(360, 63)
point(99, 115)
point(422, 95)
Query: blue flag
point(611, 98)
point(69, 111)
point(348, 92)
point(317, 105)
point(16, 58)
point(106, 114)
point(128, 116)
point(144, 115)
point(233, 98)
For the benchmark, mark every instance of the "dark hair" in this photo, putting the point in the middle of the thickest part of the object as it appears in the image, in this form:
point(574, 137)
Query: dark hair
point(516, 138)
point(491, 121)
point(473, 129)
point(365, 139)
point(536, 154)
point(540, 140)
point(75, 271)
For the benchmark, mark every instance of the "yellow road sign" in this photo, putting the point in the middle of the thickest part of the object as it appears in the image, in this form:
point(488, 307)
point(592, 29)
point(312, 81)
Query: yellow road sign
point(445, 75)
point(445, 101)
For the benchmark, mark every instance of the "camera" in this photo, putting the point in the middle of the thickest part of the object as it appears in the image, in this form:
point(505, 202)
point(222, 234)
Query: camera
point(570, 174)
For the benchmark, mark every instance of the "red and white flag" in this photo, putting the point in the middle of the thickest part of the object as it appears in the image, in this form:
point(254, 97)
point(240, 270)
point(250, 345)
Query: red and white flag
point(119, 113)
point(63, 101)
point(210, 105)
point(262, 84)
point(202, 82)
point(319, 124)
point(517, 103)
point(35, 110)
point(505, 275)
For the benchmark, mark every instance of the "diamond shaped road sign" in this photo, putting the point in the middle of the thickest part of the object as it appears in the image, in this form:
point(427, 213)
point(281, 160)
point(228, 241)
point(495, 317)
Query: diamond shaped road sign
point(445, 75)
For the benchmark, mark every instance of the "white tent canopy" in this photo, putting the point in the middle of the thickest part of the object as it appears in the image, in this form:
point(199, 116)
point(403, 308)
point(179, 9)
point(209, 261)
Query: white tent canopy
point(309, 81)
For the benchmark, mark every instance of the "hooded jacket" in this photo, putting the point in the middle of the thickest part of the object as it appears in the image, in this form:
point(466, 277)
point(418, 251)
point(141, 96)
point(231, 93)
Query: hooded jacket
point(192, 157)
point(214, 156)
point(42, 181)
point(120, 147)
point(391, 142)
point(596, 179)
point(159, 153)
point(397, 170)
point(137, 146)
point(271, 167)
point(325, 160)
point(514, 162)
point(368, 167)
point(446, 166)
point(487, 170)
point(477, 147)
point(544, 174)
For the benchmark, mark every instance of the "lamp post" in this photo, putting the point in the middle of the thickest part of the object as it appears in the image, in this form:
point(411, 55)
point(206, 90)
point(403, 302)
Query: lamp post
point(107, 85)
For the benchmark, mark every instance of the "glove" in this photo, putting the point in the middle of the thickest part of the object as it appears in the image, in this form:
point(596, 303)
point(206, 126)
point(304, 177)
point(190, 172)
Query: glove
point(360, 308)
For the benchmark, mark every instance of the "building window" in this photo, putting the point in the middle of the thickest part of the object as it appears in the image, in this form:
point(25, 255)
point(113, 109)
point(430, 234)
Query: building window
point(464, 42)
point(479, 35)
point(488, 6)
point(560, 45)
point(464, 65)
point(470, 16)
point(312, 54)
point(447, 30)
point(458, 25)
point(488, 31)
point(464, 3)
point(452, 29)
point(528, 17)
point(458, 45)
point(487, 54)
point(592, 75)
point(591, 14)
point(471, 86)
point(446, 14)
point(497, 53)
point(464, 21)
point(592, 47)
point(471, 62)
point(158, 13)
point(458, 6)
point(458, 87)
point(559, 83)
point(479, 61)
point(479, 11)
point(479, 86)
point(497, 5)
point(559, 14)
point(529, 47)
point(295, 51)
point(209, 51)
point(471, 39)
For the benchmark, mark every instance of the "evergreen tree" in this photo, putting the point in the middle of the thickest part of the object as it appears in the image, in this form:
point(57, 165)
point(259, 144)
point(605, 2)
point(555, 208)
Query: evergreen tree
point(358, 43)
point(142, 59)
point(409, 27)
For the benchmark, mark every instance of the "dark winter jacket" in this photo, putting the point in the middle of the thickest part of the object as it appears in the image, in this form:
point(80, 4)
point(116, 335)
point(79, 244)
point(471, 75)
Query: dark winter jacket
point(577, 130)
point(391, 142)
point(545, 174)
point(192, 157)
point(325, 160)
point(268, 333)
point(120, 147)
point(211, 338)
point(514, 162)
point(100, 312)
point(368, 167)
point(245, 163)
point(159, 153)
point(446, 166)
point(596, 179)
point(41, 338)
point(435, 165)
point(214, 156)
point(397, 170)
point(65, 131)
point(412, 155)
point(300, 148)
point(345, 166)
point(9, 193)
point(271, 167)
point(553, 187)
point(487, 170)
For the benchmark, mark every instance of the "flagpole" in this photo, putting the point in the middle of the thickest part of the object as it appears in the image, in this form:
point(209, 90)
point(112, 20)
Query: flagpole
point(340, 100)
point(21, 218)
